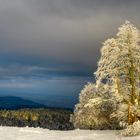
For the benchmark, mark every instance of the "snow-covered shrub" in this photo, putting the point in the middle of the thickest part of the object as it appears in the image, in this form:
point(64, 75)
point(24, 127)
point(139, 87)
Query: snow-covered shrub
point(94, 108)
point(79, 118)
point(132, 130)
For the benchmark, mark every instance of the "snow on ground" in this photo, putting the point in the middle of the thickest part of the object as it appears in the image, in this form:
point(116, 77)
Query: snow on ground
point(14, 133)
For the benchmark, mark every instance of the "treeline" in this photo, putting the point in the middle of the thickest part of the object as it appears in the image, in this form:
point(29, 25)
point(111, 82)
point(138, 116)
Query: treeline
point(54, 119)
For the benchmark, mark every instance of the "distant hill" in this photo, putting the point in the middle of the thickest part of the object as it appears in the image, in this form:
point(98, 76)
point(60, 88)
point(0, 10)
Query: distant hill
point(11, 102)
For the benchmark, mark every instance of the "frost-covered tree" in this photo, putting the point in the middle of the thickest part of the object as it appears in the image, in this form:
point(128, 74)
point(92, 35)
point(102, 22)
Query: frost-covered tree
point(114, 101)
point(94, 108)
point(108, 63)
point(80, 113)
point(120, 66)
point(129, 59)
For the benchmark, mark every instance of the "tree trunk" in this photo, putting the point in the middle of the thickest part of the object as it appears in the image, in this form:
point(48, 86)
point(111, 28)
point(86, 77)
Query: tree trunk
point(133, 97)
point(132, 79)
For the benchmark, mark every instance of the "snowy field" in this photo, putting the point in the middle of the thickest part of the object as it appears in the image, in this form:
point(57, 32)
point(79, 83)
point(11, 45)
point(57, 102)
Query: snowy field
point(14, 133)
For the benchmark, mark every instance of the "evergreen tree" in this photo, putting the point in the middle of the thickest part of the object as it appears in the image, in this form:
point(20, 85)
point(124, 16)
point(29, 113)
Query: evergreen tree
point(120, 66)
point(114, 101)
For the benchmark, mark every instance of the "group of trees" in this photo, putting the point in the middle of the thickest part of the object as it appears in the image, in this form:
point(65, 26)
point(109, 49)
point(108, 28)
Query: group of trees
point(113, 102)
point(45, 118)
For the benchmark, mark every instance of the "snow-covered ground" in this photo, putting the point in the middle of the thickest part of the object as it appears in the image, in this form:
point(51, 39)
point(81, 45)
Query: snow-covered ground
point(14, 133)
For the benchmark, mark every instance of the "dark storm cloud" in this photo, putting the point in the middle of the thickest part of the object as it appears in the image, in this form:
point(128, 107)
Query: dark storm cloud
point(81, 8)
point(61, 36)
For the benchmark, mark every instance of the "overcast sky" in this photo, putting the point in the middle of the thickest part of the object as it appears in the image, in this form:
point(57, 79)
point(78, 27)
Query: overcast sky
point(57, 38)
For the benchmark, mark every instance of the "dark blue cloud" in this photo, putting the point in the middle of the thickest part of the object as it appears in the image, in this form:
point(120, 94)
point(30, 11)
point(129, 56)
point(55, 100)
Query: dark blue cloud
point(59, 34)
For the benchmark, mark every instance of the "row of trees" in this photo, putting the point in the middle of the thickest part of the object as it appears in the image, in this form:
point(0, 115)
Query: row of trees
point(45, 118)
point(114, 101)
